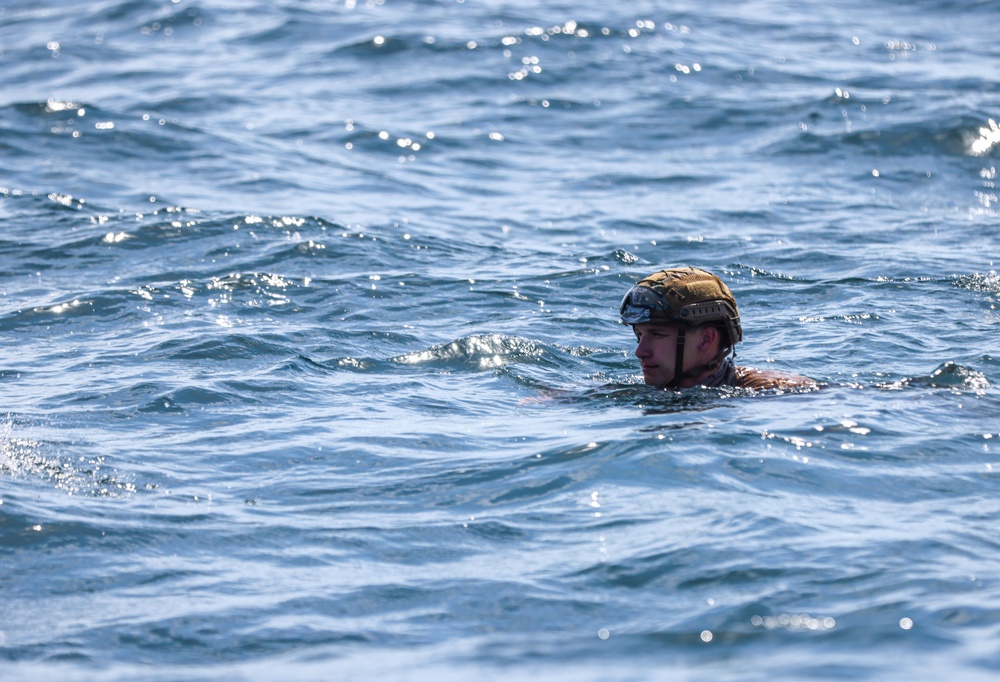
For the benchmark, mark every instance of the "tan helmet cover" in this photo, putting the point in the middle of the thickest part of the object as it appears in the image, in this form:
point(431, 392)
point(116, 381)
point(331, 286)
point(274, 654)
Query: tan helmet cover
point(694, 296)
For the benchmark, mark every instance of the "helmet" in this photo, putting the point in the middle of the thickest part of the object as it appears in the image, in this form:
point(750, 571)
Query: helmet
point(687, 296)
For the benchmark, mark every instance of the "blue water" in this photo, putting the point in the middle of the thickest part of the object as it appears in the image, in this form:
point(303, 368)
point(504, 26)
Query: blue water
point(310, 366)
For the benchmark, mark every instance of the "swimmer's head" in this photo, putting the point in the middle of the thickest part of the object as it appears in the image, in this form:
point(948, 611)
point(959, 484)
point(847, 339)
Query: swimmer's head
point(686, 296)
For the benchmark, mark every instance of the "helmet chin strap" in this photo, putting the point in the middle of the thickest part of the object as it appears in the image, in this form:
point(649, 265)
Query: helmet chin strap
point(679, 362)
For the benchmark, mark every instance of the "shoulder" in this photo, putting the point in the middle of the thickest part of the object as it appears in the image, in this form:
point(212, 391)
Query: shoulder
point(759, 379)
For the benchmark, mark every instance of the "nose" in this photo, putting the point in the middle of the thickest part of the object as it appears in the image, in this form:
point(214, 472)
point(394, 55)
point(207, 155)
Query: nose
point(642, 348)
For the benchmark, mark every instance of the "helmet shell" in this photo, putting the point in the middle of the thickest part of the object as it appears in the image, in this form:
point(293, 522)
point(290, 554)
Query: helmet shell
point(689, 296)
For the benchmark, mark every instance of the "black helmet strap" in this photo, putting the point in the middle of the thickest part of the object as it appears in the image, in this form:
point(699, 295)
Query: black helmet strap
point(679, 362)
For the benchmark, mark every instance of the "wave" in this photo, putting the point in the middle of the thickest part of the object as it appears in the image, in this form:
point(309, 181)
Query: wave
point(481, 351)
point(947, 375)
point(988, 282)
point(23, 457)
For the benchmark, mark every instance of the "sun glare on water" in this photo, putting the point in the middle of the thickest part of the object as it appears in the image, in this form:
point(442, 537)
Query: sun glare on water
point(989, 136)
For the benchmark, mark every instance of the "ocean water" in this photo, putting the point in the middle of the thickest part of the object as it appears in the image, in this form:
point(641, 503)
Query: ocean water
point(310, 365)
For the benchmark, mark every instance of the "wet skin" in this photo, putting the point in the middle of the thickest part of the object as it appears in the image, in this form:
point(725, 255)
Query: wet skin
point(656, 348)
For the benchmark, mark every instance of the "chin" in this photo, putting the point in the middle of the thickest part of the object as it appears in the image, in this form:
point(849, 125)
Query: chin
point(654, 380)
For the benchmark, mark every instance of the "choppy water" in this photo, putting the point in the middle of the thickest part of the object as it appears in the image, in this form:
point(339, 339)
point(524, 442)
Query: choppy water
point(310, 366)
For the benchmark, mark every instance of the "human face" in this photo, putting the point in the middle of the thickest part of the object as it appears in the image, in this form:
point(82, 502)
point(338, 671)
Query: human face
point(656, 349)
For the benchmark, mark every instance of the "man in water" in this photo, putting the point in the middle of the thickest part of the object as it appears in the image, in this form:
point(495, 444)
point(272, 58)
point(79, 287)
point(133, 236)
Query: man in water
point(687, 326)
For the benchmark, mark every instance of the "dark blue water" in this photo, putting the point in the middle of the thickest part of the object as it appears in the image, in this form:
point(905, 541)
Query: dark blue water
point(310, 365)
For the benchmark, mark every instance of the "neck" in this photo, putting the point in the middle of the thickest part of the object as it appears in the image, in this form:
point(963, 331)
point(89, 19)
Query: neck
point(721, 375)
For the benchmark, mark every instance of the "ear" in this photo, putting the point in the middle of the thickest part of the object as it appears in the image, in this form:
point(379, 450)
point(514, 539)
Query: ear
point(708, 336)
